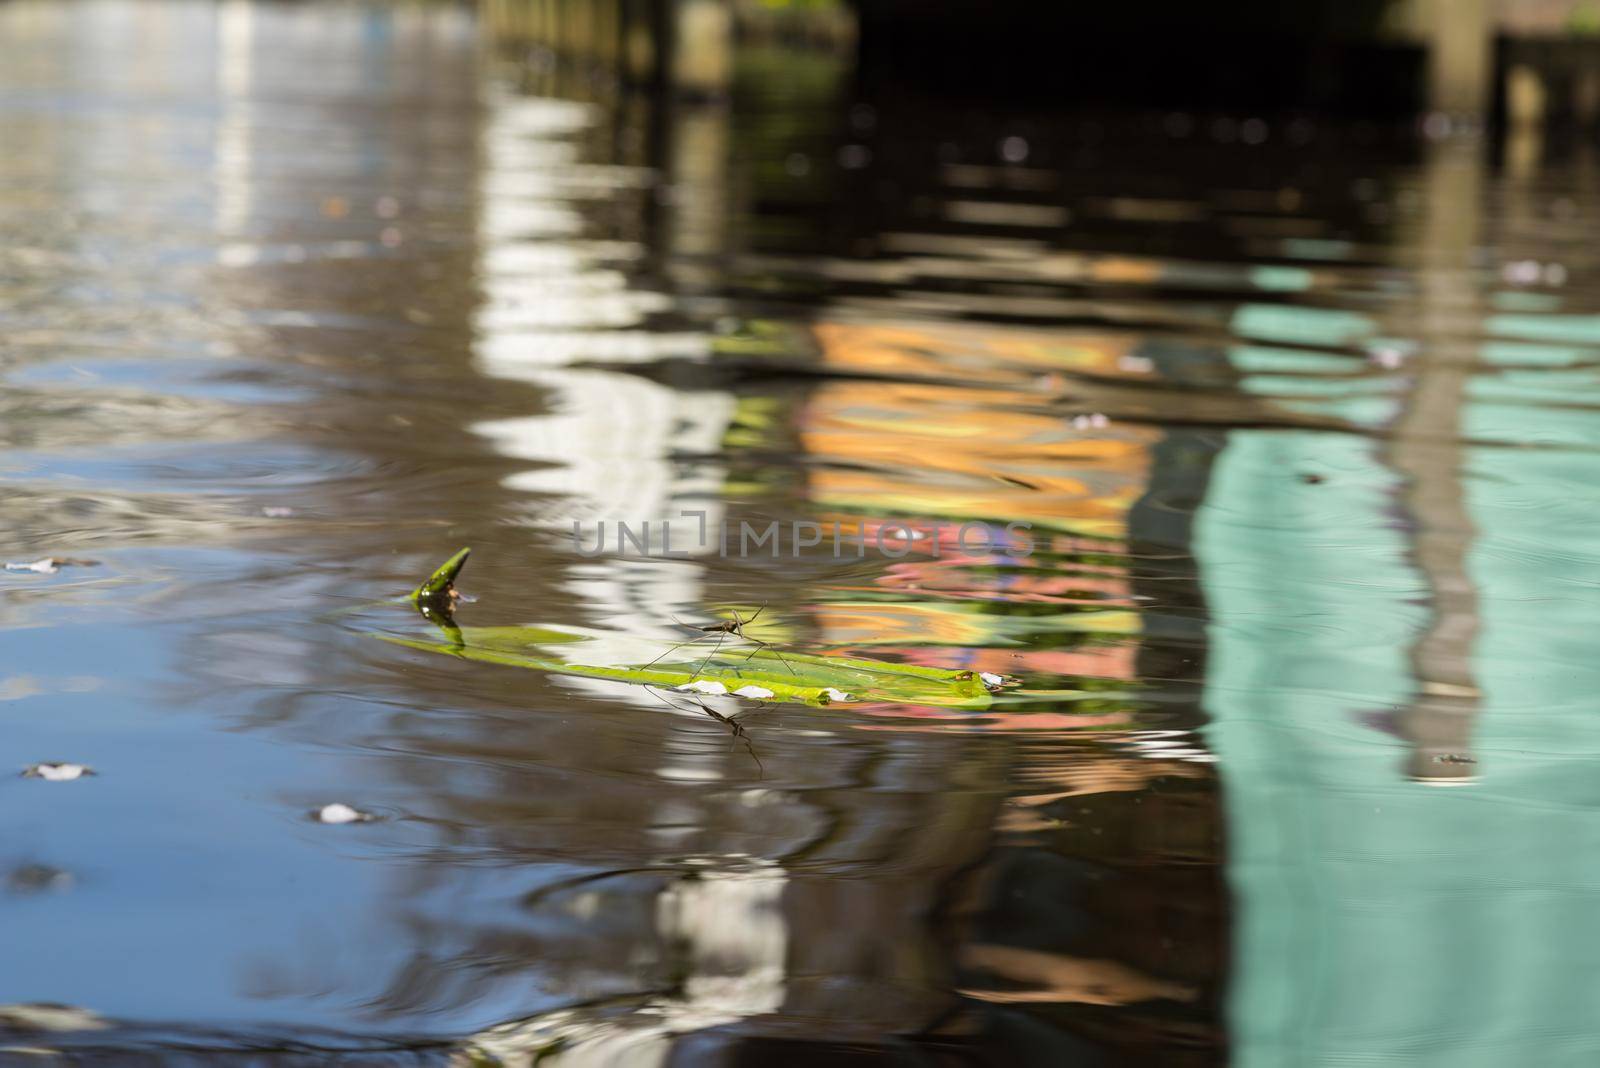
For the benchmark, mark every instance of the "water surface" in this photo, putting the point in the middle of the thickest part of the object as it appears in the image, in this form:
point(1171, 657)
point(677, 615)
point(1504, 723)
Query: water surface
point(295, 300)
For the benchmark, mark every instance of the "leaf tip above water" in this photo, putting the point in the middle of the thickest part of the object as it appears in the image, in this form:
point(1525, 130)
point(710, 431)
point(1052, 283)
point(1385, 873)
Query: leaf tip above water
point(437, 592)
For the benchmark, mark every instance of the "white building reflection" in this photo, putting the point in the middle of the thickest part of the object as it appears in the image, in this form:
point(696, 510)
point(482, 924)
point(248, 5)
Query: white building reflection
point(729, 928)
point(612, 445)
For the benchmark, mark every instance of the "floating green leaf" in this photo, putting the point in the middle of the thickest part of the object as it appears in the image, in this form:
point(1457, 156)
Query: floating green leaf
point(759, 672)
point(763, 674)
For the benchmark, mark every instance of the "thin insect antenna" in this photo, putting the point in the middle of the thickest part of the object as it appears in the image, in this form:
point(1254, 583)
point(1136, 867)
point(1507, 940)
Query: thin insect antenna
point(757, 612)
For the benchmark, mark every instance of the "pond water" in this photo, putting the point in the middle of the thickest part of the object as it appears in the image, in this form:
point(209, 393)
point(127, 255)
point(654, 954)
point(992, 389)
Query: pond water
point(1295, 427)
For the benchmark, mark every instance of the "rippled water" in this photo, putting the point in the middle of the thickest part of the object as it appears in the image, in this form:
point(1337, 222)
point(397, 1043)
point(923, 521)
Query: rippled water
point(297, 299)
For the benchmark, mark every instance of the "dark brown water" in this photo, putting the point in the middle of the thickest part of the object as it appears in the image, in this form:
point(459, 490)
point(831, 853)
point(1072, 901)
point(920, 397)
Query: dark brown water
point(297, 299)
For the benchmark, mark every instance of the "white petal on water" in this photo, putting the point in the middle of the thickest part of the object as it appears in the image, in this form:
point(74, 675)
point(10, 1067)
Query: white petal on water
point(339, 812)
point(991, 680)
point(704, 686)
point(835, 695)
point(57, 772)
point(752, 690)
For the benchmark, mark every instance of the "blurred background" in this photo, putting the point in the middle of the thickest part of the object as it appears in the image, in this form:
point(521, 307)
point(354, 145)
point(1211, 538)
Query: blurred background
point(1278, 323)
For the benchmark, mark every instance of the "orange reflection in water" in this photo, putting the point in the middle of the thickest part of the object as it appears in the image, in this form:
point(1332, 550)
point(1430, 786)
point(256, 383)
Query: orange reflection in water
point(944, 452)
point(1001, 448)
point(998, 355)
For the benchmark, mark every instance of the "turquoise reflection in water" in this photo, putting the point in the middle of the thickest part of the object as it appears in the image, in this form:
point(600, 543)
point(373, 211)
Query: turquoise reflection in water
point(1381, 920)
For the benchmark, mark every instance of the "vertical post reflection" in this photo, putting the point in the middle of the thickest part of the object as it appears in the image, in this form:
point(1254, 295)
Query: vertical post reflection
point(1427, 451)
point(235, 36)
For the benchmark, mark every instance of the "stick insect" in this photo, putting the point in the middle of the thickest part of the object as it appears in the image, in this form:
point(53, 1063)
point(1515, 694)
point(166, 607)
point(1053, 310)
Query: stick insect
point(735, 627)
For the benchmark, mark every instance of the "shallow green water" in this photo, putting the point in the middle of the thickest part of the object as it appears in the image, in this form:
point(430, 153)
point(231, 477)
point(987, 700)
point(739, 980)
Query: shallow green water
point(1295, 427)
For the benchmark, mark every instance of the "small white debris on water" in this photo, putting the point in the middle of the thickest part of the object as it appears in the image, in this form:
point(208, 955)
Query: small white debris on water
point(1390, 353)
point(1090, 421)
point(835, 695)
point(339, 812)
point(679, 773)
point(991, 680)
point(277, 511)
point(56, 772)
point(752, 690)
point(1532, 272)
point(704, 686)
point(47, 566)
point(584, 906)
point(1135, 364)
point(42, 1016)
